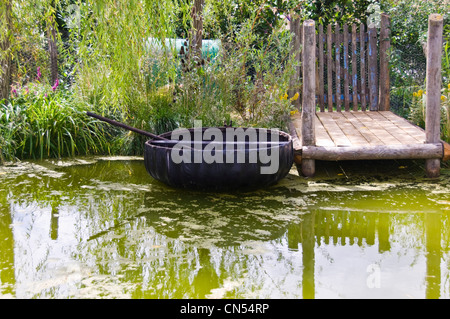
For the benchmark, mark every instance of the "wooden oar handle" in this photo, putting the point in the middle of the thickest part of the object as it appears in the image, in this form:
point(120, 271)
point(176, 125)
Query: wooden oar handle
point(127, 127)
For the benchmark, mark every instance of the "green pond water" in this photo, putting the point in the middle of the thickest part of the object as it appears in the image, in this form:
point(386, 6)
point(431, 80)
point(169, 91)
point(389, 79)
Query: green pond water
point(103, 228)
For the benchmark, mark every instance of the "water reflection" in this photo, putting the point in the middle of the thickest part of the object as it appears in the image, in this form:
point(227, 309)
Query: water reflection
point(105, 229)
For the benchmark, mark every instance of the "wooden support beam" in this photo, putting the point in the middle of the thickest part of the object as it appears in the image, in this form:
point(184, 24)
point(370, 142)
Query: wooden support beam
point(309, 91)
point(433, 88)
point(446, 151)
point(377, 152)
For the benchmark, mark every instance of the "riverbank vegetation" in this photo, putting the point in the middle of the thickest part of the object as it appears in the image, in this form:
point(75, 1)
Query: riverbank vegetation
point(118, 59)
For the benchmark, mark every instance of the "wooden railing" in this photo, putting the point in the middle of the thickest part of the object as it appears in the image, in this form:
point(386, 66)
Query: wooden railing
point(352, 71)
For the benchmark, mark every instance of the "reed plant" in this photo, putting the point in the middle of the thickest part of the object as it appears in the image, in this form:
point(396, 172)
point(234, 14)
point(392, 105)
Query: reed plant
point(418, 110)
point(42, 122)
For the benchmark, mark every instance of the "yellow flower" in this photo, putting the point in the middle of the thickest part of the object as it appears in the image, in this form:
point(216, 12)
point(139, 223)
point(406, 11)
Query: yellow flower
point(415, 94)
point(420, 93)
point(448, 86)
point(443, 98)
point(294, 112)
point(295, 97)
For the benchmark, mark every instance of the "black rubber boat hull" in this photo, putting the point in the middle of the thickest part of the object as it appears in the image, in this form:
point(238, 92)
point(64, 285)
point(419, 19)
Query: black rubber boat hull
point(218, 176)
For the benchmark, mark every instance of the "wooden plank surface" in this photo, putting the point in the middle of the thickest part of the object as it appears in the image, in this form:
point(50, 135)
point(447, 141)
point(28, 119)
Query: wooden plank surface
point(406, 126)
point(337, 135)
point(322, 136)
point(371, 138)
point(353, 134)
point(344, 129)
point(386, 137)
point(392, 128)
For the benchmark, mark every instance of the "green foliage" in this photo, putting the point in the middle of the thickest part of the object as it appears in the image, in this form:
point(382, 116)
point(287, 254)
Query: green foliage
point(39, 122)
point(418, 110)
point(336, 11)
point(409, 27)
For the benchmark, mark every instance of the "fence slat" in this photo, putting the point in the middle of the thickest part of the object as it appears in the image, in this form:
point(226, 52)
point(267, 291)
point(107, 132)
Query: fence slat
point(373, 69)
point(338, 67)
point(346, 67)
point(362, 70)
point(354, 70)
point(385, 45)
point(329, 69)
point(321, 84)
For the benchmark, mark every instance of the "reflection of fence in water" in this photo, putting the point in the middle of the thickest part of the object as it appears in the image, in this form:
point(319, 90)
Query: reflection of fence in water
point(357, 228)
point(343, 228)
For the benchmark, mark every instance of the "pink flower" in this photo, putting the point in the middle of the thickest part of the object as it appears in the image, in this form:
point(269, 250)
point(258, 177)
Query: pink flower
point(38, 74)
point(55, 86)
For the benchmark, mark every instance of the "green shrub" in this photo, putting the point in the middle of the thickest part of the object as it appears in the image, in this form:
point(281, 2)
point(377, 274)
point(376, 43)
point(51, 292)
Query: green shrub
point(41, 122)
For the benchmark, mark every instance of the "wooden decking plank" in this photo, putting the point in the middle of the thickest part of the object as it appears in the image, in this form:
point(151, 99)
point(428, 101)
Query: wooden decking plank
point(355, 137)
point(413, 130)
point(371, 138)
point(337, 135)
point(386, 137)
point(322, 136)
point(296, 121)
point(400, 134)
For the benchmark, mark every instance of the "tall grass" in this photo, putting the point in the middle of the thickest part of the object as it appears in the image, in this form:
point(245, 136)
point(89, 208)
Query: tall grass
point(40, 123)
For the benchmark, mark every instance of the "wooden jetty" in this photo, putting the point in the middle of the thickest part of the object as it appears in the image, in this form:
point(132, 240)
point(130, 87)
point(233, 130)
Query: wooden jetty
point(355, 122)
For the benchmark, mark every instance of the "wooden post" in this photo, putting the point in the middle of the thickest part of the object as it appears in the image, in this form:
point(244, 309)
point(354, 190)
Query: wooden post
point(294, 83)
point(433, 88)
point(309, 90)
point(385, 44)
point(373, 69)
point(53, 50)
point(5, 48)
